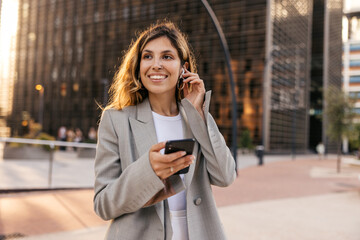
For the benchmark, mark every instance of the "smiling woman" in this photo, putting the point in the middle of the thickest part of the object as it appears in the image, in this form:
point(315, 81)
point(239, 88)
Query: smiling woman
point(157, 96)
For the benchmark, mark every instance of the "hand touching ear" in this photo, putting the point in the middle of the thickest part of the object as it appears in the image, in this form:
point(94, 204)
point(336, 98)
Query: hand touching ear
point(197, 92)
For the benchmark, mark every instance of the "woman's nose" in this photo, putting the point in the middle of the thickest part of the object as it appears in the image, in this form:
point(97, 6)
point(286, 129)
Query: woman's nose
point(157, 64)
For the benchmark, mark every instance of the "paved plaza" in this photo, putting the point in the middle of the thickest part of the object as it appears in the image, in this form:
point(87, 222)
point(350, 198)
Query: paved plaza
point(286, 198)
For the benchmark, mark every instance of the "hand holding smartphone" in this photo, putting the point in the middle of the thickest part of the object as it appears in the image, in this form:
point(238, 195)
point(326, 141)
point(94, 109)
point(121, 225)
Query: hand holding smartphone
point(186, 145)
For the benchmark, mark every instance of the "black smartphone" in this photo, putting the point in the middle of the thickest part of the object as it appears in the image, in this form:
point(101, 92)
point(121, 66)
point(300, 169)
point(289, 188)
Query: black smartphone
point(186, 145)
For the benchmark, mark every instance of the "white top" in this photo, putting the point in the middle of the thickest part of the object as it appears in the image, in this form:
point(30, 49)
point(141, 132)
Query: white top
point(170, 128)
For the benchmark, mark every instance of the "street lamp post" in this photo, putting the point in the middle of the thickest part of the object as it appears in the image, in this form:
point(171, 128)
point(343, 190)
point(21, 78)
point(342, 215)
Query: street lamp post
point(231, 76)
point(40, 89)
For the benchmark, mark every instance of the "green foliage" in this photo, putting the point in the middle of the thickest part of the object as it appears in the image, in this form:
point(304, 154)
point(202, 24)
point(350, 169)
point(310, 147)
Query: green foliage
point(45, 136)
point(246, 140)
point(34, 133)
point(354, 139)
point(90, 140)
point(340, 115)
point(14, 144)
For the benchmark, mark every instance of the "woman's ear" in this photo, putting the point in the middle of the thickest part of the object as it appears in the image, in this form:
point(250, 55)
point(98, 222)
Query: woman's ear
point(186, 65)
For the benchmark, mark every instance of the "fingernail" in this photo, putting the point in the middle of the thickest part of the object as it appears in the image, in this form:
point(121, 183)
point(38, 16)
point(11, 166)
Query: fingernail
point(192, 158)
point(183, 153)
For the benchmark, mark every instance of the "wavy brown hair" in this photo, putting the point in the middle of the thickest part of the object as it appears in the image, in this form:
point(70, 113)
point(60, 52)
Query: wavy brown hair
point(126, 88)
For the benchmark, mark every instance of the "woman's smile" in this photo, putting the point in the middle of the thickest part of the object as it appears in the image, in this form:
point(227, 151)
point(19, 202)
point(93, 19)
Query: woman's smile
point(157, 77)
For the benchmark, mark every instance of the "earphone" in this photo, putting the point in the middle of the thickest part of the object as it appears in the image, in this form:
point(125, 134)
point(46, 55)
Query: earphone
point(182, 73)
point(181, 78)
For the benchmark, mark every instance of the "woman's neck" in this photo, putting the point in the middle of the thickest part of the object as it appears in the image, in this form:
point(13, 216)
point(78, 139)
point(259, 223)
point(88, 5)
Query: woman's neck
point(163, 105)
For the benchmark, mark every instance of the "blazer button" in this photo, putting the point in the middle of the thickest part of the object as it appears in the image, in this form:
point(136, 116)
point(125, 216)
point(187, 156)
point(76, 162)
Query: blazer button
point(197, 201)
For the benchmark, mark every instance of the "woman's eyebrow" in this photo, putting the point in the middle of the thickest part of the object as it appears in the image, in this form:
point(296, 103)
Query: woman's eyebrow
point(165, 51)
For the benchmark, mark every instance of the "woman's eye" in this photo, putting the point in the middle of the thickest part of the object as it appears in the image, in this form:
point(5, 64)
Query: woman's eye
point(146, 56)
point(168, 57)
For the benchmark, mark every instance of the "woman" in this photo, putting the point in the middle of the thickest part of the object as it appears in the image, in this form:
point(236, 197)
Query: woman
point(157, 96)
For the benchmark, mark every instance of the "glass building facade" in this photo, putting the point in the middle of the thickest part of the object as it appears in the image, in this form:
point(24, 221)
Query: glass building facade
point(288, 75)
point(326, 65)
point(72, 49)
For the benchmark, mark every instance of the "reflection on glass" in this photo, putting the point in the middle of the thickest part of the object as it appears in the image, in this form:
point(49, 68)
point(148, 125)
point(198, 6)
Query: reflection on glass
point(8, 27)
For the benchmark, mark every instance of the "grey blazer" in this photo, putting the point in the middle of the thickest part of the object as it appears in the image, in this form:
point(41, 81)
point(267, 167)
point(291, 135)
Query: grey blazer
point(125, 180)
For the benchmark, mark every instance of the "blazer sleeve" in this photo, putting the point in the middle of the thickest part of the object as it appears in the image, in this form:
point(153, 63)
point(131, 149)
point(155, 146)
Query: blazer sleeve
point(219, 161)
point(119, 191)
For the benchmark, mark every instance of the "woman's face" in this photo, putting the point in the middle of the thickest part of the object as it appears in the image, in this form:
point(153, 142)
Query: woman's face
point(160, 67)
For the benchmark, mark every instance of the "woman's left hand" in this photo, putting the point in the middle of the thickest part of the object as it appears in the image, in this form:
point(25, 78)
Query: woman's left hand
point(197, 93)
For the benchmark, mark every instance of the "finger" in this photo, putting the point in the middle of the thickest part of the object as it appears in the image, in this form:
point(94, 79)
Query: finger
point(184, 160)
point(198, 84)
point(157, 147)
point(167, 171)
point(188, 71)
point(190, 74)
point(186, 90)
point(197, 81)
point(173, 156)
point(182, 163)
point(192, 78)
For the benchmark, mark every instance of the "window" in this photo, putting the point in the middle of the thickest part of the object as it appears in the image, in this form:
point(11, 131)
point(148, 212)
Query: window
point(355, 95)
point(354, 47)
point(354, 63)
point(96, 16)
point(355, 79)
point(248, 65)
point(126, 13)
point(356, 110)
point(205, 67)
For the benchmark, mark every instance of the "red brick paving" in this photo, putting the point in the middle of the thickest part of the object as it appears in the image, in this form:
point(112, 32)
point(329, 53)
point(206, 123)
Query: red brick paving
point(46, 212)
point(287, 179)
point(40, 212)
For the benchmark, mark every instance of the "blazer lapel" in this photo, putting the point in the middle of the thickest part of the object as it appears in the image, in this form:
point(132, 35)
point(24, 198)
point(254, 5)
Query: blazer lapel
point(143, 127)
point(144, 133)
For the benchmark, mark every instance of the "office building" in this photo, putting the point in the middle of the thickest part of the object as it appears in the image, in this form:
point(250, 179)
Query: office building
point(351, 59)
point(72, 48)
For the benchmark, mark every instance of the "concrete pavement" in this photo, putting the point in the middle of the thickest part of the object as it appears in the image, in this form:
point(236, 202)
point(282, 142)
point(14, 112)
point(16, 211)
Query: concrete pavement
point(284, 199)
point(331, 216)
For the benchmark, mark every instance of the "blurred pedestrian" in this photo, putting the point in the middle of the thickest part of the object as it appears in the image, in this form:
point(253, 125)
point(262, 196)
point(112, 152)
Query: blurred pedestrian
point(157, 96)
point(70, 136)
point(78, 136)
point(92, 135)
point(62, 136)
point(320, 149)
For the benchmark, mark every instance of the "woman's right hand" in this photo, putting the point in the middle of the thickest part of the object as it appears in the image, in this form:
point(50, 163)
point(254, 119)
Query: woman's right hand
point(165, 165)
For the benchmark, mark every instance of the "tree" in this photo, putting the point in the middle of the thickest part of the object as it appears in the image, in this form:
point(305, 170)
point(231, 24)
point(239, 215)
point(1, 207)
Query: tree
point(354, 141)
point(246, 140)
point(339, 113)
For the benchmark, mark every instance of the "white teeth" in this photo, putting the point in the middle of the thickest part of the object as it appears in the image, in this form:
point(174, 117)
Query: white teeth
point(157, 77)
